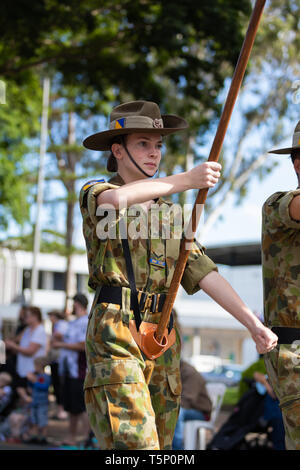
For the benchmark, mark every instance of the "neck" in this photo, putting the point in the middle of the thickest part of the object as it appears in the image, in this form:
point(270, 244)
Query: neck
point(80, 313)
point(130, 177)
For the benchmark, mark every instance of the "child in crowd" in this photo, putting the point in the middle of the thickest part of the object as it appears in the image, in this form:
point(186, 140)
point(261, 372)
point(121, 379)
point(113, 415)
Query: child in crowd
point(5, 390)
point(39, 382)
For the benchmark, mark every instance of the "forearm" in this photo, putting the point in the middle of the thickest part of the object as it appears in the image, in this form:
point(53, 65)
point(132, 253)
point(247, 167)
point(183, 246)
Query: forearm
point(25, 351)
point(144, 190)
point(221, 291)
point(71, 346)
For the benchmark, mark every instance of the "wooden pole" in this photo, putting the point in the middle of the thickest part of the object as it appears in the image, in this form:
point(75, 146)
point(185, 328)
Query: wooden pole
point(213, 156)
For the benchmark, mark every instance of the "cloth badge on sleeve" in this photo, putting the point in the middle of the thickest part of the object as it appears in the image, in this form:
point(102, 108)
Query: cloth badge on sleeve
point(91, 183)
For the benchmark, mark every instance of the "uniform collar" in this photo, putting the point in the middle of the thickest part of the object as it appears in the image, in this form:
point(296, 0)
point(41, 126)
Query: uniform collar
point(117, 180)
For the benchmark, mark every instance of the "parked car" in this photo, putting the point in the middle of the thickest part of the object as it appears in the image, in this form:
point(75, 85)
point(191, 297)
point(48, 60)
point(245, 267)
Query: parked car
point(229, 374)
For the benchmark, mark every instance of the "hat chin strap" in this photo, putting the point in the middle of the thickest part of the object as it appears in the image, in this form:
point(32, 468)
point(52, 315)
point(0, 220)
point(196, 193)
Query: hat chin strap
point(134, 162)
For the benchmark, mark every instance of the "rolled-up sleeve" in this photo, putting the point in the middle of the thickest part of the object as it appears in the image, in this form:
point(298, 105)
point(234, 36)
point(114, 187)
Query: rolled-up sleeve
point(197, 267)
point(88, 198)
point(284, 210)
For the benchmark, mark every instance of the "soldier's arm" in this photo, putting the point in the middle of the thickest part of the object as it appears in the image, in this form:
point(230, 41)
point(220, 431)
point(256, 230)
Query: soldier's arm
point(202, 176)
point(221, 291)
point(294, 208)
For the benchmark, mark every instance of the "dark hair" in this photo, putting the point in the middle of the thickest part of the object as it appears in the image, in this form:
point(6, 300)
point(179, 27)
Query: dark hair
point(112, 164)
point(35, 311)
point(81, 299)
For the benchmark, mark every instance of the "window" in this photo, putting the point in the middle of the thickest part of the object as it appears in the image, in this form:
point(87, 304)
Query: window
point(59, 281)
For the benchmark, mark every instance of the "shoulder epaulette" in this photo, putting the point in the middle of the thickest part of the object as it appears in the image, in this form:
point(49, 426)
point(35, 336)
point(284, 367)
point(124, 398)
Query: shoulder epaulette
point(92, 183)
point(274, 197)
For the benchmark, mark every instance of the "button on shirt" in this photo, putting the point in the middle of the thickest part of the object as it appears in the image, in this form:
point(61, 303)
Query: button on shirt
point(73, 363)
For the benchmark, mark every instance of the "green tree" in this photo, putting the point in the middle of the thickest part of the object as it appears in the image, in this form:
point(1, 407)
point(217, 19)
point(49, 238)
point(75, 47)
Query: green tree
point(19, 125)
point(267, 109)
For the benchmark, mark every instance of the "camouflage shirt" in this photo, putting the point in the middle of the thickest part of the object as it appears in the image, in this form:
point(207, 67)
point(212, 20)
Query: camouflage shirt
point(281, 261)
point(153, 257)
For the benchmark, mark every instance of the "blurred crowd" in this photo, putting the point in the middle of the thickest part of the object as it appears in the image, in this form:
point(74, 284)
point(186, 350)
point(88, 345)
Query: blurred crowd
point(40, 366)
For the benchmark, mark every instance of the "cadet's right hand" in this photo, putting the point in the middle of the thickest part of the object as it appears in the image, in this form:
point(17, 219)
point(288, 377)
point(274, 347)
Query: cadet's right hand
point(205, 175)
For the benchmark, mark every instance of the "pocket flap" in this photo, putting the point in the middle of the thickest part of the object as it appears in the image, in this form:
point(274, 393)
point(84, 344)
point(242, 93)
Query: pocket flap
point(175, 383)
point(114, 372)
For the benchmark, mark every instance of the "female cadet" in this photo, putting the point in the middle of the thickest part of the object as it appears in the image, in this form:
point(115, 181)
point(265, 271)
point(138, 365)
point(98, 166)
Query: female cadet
point(133, 401)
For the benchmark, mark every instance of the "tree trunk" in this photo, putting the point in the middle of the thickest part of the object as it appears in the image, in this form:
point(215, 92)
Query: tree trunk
point(70, 286)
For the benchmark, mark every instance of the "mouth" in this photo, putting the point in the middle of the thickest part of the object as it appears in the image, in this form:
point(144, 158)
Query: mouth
point(150, 165)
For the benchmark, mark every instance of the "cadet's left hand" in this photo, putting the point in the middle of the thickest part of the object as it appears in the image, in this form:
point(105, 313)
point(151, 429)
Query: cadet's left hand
point(264, 338)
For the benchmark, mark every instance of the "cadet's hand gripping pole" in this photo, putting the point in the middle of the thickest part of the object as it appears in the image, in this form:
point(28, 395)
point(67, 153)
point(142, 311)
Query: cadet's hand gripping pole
point(213, 156)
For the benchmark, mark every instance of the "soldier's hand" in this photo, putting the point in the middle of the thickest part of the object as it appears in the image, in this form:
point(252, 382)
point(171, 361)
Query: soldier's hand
point(265, 339)
point(205, 175)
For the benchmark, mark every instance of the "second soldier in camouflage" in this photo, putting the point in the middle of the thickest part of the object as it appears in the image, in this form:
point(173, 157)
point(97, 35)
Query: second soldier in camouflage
point(281, 278)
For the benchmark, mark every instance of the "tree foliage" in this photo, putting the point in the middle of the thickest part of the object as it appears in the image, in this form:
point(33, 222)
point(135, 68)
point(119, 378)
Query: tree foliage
point(98, 53)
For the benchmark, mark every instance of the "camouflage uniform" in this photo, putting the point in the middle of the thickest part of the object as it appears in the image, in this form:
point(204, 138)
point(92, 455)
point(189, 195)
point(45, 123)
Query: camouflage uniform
point(132, 401)
point(281, 276)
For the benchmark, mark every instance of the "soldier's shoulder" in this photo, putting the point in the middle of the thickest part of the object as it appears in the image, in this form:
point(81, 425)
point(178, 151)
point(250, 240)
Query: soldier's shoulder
point(87, 186)
point(274, 198)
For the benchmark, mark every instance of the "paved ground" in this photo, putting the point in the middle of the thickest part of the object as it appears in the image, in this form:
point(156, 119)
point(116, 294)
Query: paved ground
point(58, 432)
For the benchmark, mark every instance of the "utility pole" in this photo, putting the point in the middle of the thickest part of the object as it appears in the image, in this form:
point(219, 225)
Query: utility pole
point(40, 192)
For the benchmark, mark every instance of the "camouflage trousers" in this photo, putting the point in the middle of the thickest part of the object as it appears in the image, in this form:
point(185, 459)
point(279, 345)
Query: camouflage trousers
point(283, 368)
point(132, 402)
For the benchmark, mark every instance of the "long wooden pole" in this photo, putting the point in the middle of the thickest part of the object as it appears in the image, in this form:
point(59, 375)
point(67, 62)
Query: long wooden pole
point(213, 156)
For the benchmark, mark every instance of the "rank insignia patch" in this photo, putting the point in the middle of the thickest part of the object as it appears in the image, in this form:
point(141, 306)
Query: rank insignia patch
point(157, 262)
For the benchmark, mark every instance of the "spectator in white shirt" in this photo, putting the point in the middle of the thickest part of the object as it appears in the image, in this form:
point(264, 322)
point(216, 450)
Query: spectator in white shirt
point(32, 344)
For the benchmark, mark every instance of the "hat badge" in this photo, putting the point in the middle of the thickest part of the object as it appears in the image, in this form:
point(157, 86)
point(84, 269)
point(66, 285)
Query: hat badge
point(157, 123)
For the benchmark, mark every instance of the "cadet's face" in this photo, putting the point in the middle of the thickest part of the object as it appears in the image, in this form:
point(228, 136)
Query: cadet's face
point(146, 151)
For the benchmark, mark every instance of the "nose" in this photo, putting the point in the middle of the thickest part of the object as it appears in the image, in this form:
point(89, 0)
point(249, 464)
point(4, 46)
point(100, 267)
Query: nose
point(154, 151)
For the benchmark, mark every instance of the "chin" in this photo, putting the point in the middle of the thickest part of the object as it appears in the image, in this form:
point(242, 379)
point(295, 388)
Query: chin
point(150, 171)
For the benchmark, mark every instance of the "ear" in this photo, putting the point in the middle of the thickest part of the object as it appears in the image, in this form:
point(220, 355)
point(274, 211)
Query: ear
point(117, 151)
